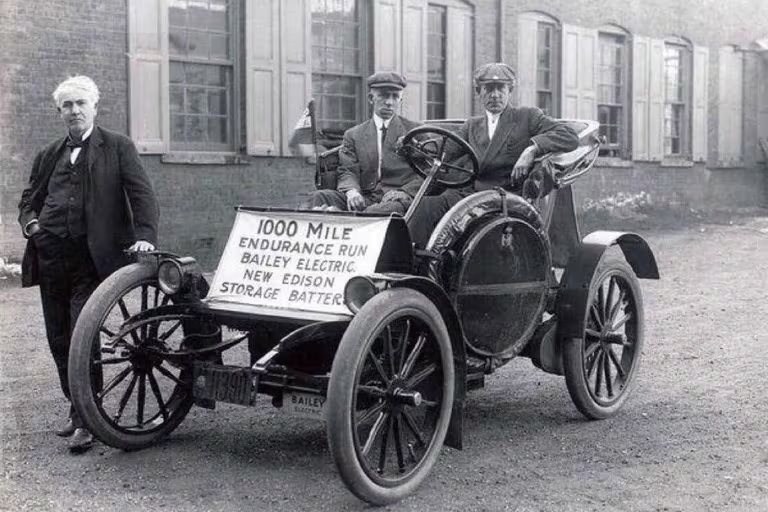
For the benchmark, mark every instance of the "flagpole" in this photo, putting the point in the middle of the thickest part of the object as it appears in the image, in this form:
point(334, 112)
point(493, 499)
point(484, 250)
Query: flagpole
point(312, 125)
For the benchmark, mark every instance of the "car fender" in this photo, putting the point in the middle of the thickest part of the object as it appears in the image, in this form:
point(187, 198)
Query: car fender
point(573, 292)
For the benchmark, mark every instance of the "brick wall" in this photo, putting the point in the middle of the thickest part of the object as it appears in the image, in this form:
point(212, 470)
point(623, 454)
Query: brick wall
point(197, 201)
point(44, 42)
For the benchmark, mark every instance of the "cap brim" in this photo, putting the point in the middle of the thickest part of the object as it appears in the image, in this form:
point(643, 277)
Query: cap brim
point(397, 87)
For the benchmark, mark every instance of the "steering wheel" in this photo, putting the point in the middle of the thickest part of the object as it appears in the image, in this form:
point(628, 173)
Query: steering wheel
point(427, 150)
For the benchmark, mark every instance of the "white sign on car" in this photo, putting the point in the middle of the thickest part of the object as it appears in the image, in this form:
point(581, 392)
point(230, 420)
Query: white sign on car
point(300, 261)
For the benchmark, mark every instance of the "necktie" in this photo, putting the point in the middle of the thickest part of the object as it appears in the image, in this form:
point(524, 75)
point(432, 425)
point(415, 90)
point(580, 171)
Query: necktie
point(71, 144)
point(74, 149)
point(381, 146)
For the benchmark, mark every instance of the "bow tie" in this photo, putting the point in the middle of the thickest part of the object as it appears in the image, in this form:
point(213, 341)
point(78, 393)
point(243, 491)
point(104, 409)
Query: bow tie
point(74, 144)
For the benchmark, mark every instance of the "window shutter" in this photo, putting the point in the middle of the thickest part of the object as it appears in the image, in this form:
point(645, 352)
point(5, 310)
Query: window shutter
point(296, 73)
point(262, 78)
point(527, 37)
point(459, 63)
point(387, 35)
point(579, 72)
point(656, 101)
point(149, 125)
point(762, 105)
point(414, 57)
point(729, 128)
point(641, 51)
point(700, 102)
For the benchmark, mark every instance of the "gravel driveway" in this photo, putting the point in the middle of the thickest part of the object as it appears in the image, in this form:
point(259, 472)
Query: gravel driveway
point(694, 436)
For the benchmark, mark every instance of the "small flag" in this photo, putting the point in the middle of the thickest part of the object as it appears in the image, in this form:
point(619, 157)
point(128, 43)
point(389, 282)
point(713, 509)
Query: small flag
point(302, 140)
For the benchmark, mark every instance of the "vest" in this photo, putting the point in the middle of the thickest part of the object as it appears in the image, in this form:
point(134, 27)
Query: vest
point(63, 213)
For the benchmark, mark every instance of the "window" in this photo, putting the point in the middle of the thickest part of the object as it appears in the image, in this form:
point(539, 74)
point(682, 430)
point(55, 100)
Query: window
point(537, 44)
point(224, 76)
point(436, 45)
point(201, 70)
point(676, 99)
point(612, 93)
point(337, 62)
point(546, 76)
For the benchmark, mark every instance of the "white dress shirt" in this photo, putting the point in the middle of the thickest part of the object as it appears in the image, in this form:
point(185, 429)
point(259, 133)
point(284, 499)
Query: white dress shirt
point(493, 122)
point(76, 151)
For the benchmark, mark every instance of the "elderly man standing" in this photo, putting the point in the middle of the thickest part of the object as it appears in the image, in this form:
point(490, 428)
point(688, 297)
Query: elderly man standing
point(88, 201)
point(372, 177)
point(506, 139)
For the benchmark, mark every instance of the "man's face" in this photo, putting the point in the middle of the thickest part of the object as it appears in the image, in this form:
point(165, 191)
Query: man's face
point(385, 101)
point(78, 111)
point(494, 96)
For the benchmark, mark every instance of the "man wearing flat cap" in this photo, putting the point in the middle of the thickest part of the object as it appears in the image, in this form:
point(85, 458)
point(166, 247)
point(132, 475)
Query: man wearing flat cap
point(506, 139)
point(372, 177)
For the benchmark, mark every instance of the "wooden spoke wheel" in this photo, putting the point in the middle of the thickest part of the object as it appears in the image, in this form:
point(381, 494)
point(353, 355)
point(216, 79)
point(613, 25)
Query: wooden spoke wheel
point(601, 366)
point(125, 384)
point(390, 396)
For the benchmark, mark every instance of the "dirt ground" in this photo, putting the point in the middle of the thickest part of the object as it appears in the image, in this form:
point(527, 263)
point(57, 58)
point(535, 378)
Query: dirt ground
point(693, 437)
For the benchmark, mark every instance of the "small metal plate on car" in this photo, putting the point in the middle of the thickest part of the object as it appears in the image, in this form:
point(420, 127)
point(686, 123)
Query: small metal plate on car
point(222, 383)
point(304, 405)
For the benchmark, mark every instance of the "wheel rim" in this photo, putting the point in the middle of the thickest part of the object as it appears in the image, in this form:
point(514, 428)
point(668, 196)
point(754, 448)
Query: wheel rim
point(135, 389)
point(610, 340)
point(397, 400)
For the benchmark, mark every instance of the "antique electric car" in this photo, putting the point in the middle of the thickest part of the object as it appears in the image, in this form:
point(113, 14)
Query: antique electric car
point(345, 321)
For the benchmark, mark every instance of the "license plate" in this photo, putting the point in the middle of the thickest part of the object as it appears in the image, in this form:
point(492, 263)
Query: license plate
point(304, 405)
point(222, 383)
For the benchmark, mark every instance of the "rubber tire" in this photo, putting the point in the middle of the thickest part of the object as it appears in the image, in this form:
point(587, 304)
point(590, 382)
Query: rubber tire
point(360, 334)
point(573, 349)
point(90, 321)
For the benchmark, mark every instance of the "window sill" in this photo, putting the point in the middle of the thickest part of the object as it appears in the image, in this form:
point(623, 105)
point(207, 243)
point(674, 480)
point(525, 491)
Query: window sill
point(203, 158)
point(606, 161)
point(676, 163)
point(728, 166)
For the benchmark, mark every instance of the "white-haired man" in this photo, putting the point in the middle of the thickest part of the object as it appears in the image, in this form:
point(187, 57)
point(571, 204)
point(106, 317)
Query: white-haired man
point(78, 223)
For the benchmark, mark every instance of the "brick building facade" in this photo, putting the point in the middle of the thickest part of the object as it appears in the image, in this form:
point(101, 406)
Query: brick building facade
point(209, 90)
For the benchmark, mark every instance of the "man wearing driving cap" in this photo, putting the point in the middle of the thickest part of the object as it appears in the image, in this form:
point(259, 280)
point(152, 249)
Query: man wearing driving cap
point(372, 177)
point(506, 140)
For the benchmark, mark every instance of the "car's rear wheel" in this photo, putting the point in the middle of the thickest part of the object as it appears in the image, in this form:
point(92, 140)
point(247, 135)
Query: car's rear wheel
point(601, 366)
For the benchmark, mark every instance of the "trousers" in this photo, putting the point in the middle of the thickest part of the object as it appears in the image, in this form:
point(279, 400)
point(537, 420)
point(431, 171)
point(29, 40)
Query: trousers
point(67, 278)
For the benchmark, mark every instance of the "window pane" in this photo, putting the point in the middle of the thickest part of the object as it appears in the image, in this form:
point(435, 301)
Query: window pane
point(201, 70)
point(337, 62)
point(612, 94)
point(676, 62)
point(217, 130)
point(436, 57)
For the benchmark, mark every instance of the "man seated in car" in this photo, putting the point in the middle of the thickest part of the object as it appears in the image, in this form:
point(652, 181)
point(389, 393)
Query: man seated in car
point(372, 177)
point(506, 139)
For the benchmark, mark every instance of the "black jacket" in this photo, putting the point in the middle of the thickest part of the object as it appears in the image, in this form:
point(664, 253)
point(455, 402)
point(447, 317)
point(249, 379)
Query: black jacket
point(120, 204)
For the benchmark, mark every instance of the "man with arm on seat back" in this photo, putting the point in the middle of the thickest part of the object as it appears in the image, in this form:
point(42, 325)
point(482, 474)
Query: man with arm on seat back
point(372, 177)
point(506, 139)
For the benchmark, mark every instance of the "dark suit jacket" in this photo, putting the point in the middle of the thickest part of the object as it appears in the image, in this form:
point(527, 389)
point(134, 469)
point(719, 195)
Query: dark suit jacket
point(516, 129)
point(359, 160)
point(120, 204)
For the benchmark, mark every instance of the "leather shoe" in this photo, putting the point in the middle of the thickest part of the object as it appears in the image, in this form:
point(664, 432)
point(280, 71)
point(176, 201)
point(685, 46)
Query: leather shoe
point(81, 441)
point(67, 430)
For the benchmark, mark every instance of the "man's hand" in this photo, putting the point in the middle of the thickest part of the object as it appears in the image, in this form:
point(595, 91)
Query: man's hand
point(395, 195)
point(523, 165)
point(355, 201)
point(141, 246)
